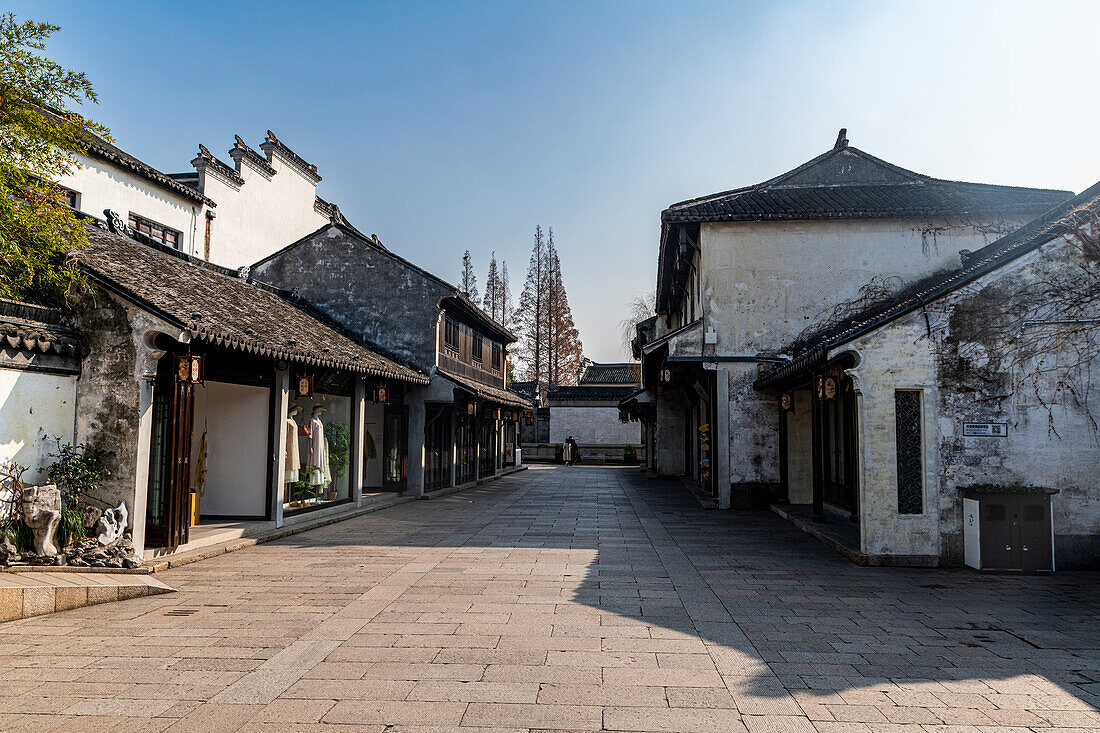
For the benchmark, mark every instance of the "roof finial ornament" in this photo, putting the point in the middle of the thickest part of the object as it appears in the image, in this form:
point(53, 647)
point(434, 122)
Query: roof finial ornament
point(841, 139)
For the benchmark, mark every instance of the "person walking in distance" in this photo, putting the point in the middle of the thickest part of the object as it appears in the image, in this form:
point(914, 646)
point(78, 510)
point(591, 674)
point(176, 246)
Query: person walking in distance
point(570, 452)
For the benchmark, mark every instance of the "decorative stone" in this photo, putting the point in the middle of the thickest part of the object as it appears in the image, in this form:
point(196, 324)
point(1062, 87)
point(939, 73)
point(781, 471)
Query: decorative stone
point(91, 516)
point(112, 525)
point(8, 552)
point(42, 513)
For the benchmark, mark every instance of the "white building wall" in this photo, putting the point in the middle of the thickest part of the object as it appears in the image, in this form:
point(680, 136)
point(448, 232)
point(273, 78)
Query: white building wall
point(898, 357)
point(101, 185)
point(236, 420)
point(593, 426)
point(33, 407)
point(262, 215)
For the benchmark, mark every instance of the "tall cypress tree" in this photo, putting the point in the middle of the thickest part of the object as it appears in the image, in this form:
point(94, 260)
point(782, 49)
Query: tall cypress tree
point(468, 281)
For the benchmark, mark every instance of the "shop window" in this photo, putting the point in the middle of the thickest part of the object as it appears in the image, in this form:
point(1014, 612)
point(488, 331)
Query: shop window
point(450, 335)
point(477, 350)
point(156, 232)
point(322, 425)
point(907, 427)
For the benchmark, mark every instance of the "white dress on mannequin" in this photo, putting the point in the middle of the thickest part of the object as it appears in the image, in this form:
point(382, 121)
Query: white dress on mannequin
point(319, 474)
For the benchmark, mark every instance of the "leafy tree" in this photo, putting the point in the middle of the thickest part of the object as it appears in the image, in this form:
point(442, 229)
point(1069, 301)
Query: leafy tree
point(38, 137)
point(468, 284)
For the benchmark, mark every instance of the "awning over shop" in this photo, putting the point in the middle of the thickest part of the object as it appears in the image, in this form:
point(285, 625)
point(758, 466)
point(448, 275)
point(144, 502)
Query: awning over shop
point(491, 394)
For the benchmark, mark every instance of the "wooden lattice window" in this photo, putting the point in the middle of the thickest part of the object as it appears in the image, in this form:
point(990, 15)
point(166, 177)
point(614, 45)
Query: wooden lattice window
point(907, 427)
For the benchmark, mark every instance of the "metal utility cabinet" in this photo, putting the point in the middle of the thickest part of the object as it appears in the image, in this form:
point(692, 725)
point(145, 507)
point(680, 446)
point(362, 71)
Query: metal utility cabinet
point(1008, 528)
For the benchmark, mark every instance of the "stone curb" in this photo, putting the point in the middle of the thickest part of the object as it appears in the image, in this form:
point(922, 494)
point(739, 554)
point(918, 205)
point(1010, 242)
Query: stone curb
point(168, 562)
point(37, 594)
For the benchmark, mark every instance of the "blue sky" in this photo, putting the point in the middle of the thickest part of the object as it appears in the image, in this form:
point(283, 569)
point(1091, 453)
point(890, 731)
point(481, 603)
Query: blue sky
point(448, 126)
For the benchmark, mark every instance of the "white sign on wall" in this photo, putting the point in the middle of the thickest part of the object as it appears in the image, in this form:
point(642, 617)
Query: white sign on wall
point(985, 429)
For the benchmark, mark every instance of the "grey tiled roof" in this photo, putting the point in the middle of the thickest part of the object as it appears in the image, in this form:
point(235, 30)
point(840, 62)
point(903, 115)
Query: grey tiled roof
point(581, 393)
point(493, 394)
point(214, 305)
point(847, 183)
point(622, 373)
point(32, 328)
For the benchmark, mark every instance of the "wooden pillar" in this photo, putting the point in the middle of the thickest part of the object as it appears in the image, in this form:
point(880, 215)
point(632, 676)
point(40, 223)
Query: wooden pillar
point(282, 404)
point(784, 478)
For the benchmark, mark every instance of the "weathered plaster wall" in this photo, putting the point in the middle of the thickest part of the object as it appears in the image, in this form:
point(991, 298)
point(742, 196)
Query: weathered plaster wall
point(764, 283)
point(1052, 440)
point(592, 426)
point(753, 439)
point(670, 436)
point(33, 408)
point(898, 357)
point(109, 390)
point(367, 291)
point(101, 186)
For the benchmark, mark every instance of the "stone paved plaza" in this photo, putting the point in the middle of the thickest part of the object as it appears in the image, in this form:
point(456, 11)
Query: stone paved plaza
point(570, 599)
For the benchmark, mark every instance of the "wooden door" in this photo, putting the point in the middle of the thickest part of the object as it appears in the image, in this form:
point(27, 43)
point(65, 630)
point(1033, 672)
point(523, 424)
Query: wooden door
point(168, 497)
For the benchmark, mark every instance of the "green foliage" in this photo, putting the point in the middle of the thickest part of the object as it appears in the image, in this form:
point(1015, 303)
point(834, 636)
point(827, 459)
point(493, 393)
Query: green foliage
point(71, 528)
point(38, 136)
point(338, 437)
point(77, 470)
point(629, 454)
point(21, 533)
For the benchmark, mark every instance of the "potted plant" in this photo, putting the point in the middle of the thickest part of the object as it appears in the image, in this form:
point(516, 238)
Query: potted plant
point(338, 437)
point(629, 456)
point(559, 452)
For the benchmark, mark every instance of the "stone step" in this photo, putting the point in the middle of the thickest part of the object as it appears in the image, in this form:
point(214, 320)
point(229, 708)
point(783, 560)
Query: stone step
point(23, 595)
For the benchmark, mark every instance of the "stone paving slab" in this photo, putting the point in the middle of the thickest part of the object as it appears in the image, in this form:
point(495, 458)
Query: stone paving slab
point(561, 599)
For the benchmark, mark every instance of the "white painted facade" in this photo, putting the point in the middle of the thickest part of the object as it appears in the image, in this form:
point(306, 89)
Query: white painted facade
point(261, 203)
point(265, 212)
point(102, 185)
point(592, 426)
point(34, 407)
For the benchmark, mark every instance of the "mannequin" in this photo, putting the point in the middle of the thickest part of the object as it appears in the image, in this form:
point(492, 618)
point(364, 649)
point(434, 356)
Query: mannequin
point(318, 450)
point(293, 461)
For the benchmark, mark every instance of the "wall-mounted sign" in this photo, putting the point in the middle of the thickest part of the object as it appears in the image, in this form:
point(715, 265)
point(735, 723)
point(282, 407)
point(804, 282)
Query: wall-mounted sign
point(382, 394)
point(470, 408)
point(819, 387)
point(666, 375)
point(786, 401)
point(305, 386)
point(830, 387)
point(190, 369)
point(985, 429)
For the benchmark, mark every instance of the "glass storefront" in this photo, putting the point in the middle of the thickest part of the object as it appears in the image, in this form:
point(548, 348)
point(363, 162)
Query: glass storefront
point(323, 428)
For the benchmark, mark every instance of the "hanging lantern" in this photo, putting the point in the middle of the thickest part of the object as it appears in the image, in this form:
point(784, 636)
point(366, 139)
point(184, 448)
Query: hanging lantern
point(190, 369)
point(786, 401)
